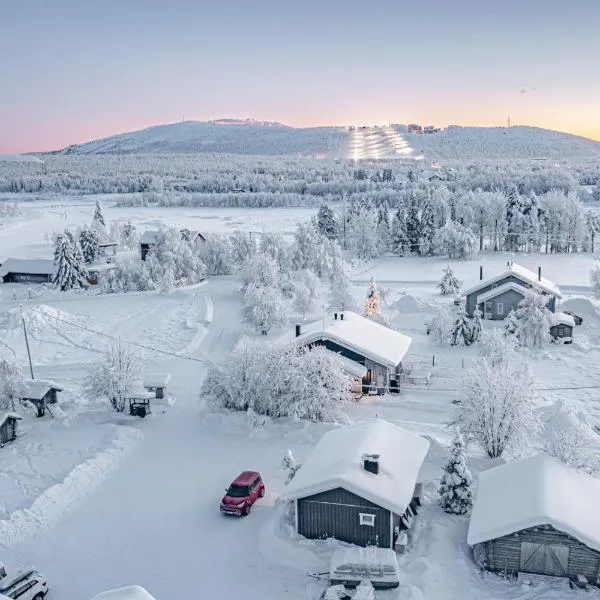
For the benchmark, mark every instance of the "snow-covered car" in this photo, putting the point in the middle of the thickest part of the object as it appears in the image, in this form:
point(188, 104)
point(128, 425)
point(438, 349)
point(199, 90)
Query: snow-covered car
point(26, 584)
point(578, 320)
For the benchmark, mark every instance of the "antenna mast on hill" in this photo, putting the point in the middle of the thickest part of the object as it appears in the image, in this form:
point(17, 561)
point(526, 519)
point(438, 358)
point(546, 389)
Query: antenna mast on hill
point(508, 123)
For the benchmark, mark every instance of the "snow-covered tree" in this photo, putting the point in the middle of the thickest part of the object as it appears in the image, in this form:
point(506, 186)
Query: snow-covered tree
point(533, 328)
point(89, 243)
point(399, 243)
point(340, 296)
point(290, 465)
point(511, 325)
point(304, 247)
point(69, 267)
point(242, 248)
point(441, 325)
point(497, 347)
point(496, 408)
point(11, 384)
point(449, 284)
point(595, 277)
point(413, 226)
point(361, 232)
point(461, 333)
point(326, 222)
point(274, 246)
point(427, 232)
point(98, 223)
point(454, 240)
point(215, 253)
point(373, 300)
point(455, 486)
point(305, 292)
point(117, 374)
point(476, 324)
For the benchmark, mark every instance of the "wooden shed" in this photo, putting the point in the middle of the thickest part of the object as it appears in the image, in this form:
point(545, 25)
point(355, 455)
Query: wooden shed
point(40, 393)
point(359, 484)
point(538, 516)
point(157, 383)
point(8, 427)
point(561, 327)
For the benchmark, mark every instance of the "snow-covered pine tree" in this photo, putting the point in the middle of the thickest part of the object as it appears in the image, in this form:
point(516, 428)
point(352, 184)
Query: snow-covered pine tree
point(476, 324)
point(399, 234)
point(455, 486)
point(449, 284)
point(78, 261)
point(511, 325)
point(98, 215)
point(69, 270)
point(373, 300)
point(11, 384)
point(384, 233)
point(427, 231)
point(533, 330)
point(461, 334)
point(326, 223)
point(89, 242)
point(339, 283)
point(413, 226)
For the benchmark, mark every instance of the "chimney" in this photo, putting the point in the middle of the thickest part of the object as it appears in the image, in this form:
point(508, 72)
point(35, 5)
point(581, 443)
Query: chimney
point(298, 329)
point(539, 273)
point(335, 316)
point(480, 272)
point(341, 316)
point(371, 463)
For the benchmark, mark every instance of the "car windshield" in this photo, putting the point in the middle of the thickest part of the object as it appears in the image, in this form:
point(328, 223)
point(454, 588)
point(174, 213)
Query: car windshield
point(238, 491)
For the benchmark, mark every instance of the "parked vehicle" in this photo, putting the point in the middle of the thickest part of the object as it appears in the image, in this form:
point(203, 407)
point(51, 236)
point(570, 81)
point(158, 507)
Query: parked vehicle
point(26, 584)
point(243, 492)
point(578, 320)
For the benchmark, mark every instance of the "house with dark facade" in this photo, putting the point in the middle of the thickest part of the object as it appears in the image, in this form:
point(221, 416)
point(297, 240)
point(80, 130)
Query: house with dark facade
point(8, 427)
point(360, 484)
point(40, 393)
point(500, 294)
point(149, 237)
point(537, 516)
point(34, 270)
point(370, 353)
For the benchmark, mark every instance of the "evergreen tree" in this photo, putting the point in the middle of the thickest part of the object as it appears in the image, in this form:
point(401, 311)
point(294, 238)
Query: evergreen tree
point(513, 220)
point(476, 325)
point(449, 284)
point(399, 234)
point(455, 486)
point(98, 215)
point(511, 324)
point(427, 231)
point(89, 242)
point(461, 330)
point(384, 233)
point(533, 323)
point(326, 223)
point(373, 301)
point(339, 283)
point(69, 268)
point(413, 226)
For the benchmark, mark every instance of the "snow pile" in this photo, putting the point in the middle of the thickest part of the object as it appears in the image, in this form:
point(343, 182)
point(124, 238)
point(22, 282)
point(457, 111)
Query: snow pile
point(409, 304)
point(584, 307)
point(353, 565)
point(48, 508)
point(38, 319)
point(133, 592)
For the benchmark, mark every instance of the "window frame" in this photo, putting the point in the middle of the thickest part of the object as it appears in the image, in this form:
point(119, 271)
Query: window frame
point(366, 519)
point(500, 308)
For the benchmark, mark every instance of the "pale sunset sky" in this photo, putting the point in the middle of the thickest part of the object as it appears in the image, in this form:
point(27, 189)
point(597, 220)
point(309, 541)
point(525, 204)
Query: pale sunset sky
point(75, 70)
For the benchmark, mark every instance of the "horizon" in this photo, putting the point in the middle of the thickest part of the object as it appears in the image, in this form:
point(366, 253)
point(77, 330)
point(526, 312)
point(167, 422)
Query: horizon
point(85, 71)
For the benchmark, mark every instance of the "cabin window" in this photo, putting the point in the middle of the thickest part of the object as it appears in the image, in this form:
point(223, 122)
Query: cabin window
point(500, 308)
point(561, 331)
point(367, 519)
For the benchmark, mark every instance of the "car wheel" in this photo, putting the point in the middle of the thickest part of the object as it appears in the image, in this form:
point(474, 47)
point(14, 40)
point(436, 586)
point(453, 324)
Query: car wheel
point(38, 596)
point(262, 492)
point(246, 511)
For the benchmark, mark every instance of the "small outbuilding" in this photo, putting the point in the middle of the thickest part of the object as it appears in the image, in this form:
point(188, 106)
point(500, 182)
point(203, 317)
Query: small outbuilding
point(40, 393)
point(8, 427)
point(96, 271)
point(359, 484)
point(561, 327)
point(538, 516)
point(18, 270)
point(157, 383)
point(108, 248)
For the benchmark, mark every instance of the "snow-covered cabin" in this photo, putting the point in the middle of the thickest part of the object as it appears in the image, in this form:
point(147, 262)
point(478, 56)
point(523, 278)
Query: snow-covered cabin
point(359, 484)
point(108, 247)
point(500, 294)
point(40, 393)
point(157, 383)
point(8, 426)
point(98, 270)
point(561, 327)
point(149, 237)
point(537, 515)
point(132, 592)
point(369, 351)
point(27, 270)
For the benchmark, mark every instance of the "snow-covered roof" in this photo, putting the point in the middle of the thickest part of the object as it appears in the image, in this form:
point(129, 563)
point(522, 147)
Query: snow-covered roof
point(132, 592)
point(539, 490)
point(101, 267)
point(521, 273)
point(139, 394)
point(36, 389)
point(560, 318)
point(336, 461)
point(366, 337)
point(149, 237)
point(350, 366)
point(510, 285)
point(153, 380)
point(4, 416)
point(28, 266)
point(108, 244)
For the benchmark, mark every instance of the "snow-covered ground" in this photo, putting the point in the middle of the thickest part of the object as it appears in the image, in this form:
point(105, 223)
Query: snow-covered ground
point(97, 501)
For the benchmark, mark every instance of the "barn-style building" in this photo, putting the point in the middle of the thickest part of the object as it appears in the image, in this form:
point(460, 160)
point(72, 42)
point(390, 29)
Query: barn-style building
point(359, 484)
point(18, 270)
point(40, 393)
point(370, 352)
point(8, 427)
point(497, 296)
point(538, 516)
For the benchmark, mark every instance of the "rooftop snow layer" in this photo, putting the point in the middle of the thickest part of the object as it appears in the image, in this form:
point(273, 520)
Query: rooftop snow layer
point(560, 318)
point(4, 416)
point(132, 592)
point(336, 461)
point(28, 266)
point(372, 340)
point(156, 380)
point(36, 389)
point(521, 273)
point(149, 237)
point(539, 490)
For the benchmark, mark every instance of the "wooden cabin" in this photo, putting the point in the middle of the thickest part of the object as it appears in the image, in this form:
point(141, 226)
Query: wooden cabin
point(17, 270)
point(359, 484)
point(8, 427)
point(561, 327)
point(157, 383)
point(41, 394)
point(537, 516)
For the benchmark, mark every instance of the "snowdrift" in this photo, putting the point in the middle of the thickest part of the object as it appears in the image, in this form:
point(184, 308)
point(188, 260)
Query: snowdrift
point(409, 304)
point(133, 592)
point(39, 319)
point(584, 307)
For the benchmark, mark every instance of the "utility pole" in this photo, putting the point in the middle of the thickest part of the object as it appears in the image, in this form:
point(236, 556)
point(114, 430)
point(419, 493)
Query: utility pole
point(26, 341)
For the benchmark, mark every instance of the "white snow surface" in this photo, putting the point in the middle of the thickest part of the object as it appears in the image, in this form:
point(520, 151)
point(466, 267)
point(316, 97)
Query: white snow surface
point(336, 461)
point(149, 237)
point(381, 561)
point(132, 592)
point(4, 416)
point(152, 380)
point(27, 266)
point(355, 332)
point(539, 490)
point(560, 318)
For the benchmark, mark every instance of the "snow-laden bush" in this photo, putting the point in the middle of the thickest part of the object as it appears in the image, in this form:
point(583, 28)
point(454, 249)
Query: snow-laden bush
point(11, 384)
point(280, 381)
point(441, 325)
point(455, 486)
point(462, 331)
point(533, 329)
point(449, 284)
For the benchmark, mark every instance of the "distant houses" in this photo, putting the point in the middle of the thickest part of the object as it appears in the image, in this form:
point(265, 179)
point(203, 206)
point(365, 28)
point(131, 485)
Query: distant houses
point(537, 516)
point(149, 237)
point(34, 270)
point(359, 484)
point(8, 426)
point(370, 352)
point(497, 296)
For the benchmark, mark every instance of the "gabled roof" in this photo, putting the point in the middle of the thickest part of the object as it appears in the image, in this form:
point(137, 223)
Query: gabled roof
point(36, 389)
point(539, 490)
point(156, 380)
point(364, 336)
point(525, 275)
point(5, 416)
point(149, 236)
point(107, 244)
point(336, 461)
point(510, 285)
point(27, 266)
point(132, 592)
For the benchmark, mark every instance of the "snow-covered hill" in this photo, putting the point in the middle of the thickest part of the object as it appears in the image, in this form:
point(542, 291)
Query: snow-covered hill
point(499, 142)
point(226, 136)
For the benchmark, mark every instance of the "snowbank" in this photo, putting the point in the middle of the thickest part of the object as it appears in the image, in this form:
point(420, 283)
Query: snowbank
point(409, 304)
point(38, 319)
point(133, 592)
point(584, 307)
point(56, 501)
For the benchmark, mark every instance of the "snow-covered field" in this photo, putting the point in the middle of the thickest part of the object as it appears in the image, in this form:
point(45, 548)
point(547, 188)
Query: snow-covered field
point(97, 501)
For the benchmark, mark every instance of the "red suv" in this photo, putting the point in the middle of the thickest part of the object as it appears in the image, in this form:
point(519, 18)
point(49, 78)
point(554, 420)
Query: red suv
point(244, 491)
